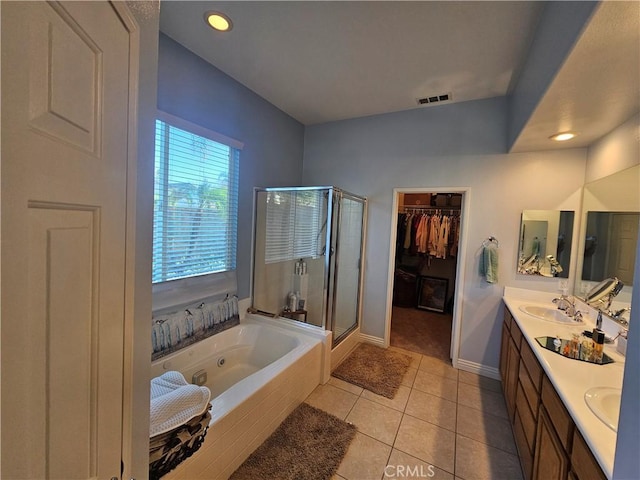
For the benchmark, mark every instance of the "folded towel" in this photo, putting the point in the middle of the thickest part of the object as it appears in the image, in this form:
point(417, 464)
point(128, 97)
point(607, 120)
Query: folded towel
point(489, 263)
point(174, 402)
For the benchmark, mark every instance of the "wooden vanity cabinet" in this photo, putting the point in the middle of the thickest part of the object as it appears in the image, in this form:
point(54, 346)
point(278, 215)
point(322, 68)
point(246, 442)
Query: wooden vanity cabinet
point(548, 443)
point(550, 460)
point(510, 360)
point(527, 406)
point(583, 465)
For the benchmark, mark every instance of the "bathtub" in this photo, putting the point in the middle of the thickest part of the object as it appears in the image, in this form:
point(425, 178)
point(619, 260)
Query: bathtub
point(258, 372)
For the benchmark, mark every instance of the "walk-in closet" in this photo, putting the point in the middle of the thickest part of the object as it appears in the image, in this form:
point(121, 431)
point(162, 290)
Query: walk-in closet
point(426, 259)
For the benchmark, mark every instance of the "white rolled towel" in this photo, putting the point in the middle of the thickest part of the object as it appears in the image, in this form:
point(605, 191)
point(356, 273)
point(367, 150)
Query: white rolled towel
point(174, 402)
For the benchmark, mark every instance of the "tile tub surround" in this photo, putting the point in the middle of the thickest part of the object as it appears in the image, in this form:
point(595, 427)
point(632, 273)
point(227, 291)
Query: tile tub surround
point(425, 429)
point(572, 378)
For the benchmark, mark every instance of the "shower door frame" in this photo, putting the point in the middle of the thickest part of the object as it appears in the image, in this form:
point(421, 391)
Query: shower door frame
point(334, 254)
point(331, 264)
point(327, 245)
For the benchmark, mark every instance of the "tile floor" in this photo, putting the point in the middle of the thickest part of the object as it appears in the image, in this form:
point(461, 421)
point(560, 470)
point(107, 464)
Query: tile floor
point(442, 424)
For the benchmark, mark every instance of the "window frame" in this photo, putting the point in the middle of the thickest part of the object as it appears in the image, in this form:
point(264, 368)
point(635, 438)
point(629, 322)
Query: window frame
point(187, 290)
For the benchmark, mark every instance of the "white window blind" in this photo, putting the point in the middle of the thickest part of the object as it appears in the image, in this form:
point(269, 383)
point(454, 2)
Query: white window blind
point(294, 225)
point(195, 204)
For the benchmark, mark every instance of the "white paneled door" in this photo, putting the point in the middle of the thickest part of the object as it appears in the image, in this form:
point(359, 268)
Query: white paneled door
point(65, 127)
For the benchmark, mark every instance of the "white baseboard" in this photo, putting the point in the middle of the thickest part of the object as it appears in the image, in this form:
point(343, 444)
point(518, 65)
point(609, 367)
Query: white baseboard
point(478, 369)
point(377, 341)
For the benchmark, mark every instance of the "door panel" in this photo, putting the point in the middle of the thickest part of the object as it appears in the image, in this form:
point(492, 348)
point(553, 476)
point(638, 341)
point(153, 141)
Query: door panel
point(347, 268)
point(65, 94)
point(622, 250)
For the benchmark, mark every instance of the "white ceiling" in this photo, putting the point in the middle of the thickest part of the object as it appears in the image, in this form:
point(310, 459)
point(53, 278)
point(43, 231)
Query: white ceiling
point(598, 86)
point(323, 61)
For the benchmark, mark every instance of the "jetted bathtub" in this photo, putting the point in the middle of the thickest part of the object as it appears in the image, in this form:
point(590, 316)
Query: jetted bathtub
point(258, 372)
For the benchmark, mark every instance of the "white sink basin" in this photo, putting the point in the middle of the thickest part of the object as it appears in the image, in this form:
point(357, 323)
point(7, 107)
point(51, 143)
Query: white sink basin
point(548, 314)
point(604, 402)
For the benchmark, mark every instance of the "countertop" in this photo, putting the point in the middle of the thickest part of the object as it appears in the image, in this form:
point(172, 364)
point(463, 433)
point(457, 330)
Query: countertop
point(572, 378)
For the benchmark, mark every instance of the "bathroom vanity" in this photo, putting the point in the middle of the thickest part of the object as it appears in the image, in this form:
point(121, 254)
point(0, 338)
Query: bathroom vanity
point(558, 435)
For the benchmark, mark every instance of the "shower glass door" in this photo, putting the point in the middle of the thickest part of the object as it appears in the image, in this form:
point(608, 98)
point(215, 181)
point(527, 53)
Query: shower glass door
point(289, 253)
point(348, 244)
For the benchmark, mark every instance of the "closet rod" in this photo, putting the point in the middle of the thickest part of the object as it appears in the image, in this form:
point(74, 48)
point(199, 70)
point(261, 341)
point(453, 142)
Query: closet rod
point(432, 210)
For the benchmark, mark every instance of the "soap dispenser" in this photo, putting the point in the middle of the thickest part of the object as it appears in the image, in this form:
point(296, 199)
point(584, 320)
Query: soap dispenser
point(598, 340)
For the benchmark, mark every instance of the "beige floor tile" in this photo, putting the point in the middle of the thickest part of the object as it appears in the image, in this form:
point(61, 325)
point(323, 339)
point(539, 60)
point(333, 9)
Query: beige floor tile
point(428, 442)
point(409, 377)
point(349, 387)
point(436, 366)
point(480, 399)
point(480, 381)
point(432, 409)
point(402, 465)
point(332, 400)
point(365, 459)
point(375, 420)
point(477, 461)
point(415, 356)
point(399, 402)
point(485, 428)
point(337, 477)
point(436, 385)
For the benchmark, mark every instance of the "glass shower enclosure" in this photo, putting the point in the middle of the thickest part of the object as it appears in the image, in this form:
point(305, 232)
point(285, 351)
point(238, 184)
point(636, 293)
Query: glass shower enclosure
point(308, 251)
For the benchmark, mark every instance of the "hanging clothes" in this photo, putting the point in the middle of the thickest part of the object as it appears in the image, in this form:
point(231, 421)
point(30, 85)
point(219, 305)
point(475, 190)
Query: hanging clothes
point(434, 234)
point(443, 238)
point(407, 235)
point(454, 235)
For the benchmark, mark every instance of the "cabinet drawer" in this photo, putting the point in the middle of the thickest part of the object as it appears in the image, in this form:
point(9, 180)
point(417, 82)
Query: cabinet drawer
point(508, 318)
point(529, 390)
point(516, 334)
point(526, 418)
point(532, 364)
point(557, 413)
point(583, 463)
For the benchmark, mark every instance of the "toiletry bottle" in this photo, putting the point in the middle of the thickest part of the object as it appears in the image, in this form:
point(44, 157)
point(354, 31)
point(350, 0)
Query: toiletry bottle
point(598, 345)
point(293, 302)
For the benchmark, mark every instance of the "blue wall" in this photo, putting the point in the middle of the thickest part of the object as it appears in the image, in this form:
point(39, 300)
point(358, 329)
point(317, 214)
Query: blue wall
point(444, 147)
point(193, 89)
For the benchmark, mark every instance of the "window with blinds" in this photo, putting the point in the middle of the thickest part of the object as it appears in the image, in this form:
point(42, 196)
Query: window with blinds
point(195, 203)
point(295, 225)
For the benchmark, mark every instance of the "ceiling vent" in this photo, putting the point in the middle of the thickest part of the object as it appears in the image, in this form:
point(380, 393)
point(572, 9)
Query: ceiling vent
point(443, 97)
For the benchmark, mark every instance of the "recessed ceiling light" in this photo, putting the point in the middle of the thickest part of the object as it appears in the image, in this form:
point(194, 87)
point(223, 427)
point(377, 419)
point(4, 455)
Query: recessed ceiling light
point(563, 136)
point(218, 21)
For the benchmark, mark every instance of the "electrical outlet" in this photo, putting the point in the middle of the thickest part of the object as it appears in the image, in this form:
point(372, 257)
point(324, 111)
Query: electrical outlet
point(563, 285)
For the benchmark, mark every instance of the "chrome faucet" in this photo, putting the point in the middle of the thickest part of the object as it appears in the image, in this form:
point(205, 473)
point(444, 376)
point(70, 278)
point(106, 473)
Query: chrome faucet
point(565, 304)
point(617, 315)
point(568, 305)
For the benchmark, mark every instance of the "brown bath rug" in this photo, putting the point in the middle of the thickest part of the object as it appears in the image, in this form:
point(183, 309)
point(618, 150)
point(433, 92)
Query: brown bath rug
point(308, 444)
point(375, 369)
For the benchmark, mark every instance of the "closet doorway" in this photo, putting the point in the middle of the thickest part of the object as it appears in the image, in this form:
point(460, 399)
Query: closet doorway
point(425, 270)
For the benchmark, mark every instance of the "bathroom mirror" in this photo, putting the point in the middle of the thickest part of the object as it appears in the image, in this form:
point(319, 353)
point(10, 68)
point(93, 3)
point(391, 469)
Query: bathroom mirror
point(608, 233)
point(545, 243)
point(610, 246)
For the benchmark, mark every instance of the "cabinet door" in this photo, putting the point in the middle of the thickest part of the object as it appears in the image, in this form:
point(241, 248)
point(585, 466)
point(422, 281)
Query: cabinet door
point(511, 384)
point(550, 461)
point(583, 463)
point(504, 355)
